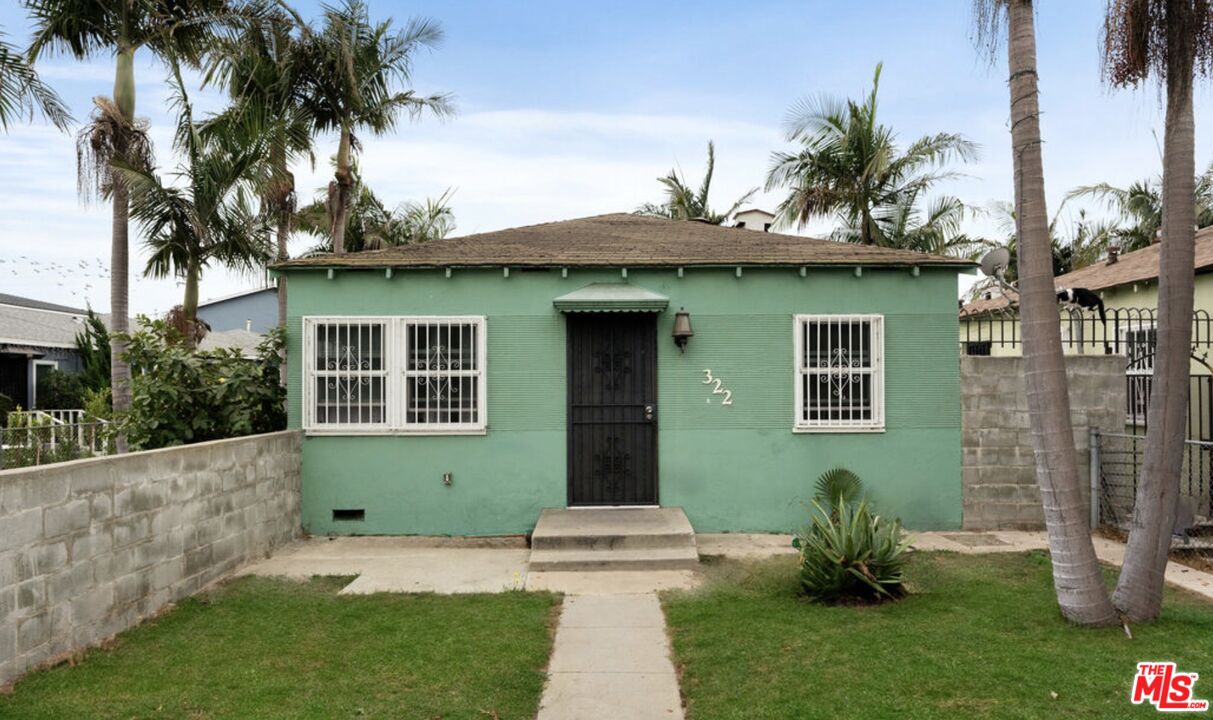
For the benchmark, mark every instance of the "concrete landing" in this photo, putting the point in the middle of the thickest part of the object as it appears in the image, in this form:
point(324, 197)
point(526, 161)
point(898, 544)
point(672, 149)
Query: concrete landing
point(625, 539)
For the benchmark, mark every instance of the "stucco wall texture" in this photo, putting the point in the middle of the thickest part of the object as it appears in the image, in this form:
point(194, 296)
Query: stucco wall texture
point(732, 468)
point(89, 548)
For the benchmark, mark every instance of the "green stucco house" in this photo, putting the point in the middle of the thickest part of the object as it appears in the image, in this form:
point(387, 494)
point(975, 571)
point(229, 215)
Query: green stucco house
point(461, 386)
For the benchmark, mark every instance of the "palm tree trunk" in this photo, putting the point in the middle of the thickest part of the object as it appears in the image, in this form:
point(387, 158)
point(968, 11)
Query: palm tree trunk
point(339, 195)
point(1077, 578)
point(189, 305)
point(120, 371)
point(1139, 590)
point(283, 192)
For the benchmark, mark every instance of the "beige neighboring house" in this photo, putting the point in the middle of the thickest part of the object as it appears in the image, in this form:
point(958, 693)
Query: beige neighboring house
point(1128, 286)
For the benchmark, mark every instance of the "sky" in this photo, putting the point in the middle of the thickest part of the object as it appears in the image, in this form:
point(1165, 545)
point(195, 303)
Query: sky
point(573, 109)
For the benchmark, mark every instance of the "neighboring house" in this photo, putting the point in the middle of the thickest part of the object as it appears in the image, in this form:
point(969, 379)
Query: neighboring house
point(1128, 286)
point(460, 386)
point(239, 339)
point(754, 219)
point(252, 310)
point(35, 337)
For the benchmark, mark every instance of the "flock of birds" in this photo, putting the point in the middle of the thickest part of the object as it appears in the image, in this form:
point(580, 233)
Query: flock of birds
point(73, 280)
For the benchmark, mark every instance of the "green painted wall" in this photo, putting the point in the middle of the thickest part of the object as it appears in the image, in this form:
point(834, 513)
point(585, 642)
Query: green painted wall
point(735, 468)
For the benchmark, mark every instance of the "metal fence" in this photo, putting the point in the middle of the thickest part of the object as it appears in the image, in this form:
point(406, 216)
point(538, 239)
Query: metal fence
point(1131, 332)
point(38, 437)
point(1116, 460)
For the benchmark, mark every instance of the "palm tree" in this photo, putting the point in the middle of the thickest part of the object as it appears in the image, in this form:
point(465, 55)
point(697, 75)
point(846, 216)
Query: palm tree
point(934, 229)
point(1139, 208)
point(1077, 577)
point(22, 92)
point(262, 69)
point(684, 203)
point(849, 165)
point(207, 215)
point(353, 68)
point(1166, 38)
point(120, 27)
point(371, 225)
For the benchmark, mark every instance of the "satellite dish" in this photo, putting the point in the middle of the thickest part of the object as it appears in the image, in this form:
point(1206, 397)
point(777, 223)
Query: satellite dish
point(996, 262)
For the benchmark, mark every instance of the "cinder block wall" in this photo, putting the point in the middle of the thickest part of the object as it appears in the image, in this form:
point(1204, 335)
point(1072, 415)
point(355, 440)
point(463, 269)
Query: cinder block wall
point(998, 472)
point(91, 547)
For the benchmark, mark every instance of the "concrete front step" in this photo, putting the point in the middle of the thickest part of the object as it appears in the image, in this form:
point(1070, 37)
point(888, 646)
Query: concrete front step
point(613, 539)
point(612, 529)
point(684, 558)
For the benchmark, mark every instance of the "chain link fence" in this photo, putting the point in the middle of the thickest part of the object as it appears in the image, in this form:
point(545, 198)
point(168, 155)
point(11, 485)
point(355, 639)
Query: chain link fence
point(1116, 460)
point(41, 442)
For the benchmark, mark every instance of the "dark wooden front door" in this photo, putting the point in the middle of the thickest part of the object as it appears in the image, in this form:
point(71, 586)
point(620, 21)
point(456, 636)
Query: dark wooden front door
point(612, 408)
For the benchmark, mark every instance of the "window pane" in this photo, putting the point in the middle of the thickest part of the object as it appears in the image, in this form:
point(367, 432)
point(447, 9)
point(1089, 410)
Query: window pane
point(835, 396)
point(350, 400)
point(442, 346)
point(349, 347)
point(435, 399)
point(838, 343)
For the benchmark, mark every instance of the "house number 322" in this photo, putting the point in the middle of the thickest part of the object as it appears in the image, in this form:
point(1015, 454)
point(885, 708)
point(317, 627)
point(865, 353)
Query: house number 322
point(719, 388)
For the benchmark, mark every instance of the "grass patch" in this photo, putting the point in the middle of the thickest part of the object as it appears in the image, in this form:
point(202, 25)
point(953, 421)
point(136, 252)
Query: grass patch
point(268, 648)
point(980, 637)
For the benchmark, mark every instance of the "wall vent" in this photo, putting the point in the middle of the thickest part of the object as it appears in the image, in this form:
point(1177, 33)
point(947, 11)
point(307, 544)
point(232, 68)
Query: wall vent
point(357, 514)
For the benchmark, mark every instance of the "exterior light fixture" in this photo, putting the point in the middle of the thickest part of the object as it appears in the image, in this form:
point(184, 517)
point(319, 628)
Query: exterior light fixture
point(682, 329)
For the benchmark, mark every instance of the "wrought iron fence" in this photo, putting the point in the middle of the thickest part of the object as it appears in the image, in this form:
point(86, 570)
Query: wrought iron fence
point(33, 439)
point(1131, 332)
point(1116, 460)
point(1124, 331)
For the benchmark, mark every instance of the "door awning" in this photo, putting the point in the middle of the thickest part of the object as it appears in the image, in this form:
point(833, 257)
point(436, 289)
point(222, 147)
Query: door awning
point(611, 297)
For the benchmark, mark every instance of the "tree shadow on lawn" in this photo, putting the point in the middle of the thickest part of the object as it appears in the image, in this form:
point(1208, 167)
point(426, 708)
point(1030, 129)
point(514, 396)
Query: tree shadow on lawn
point(274, 648)
point(979, 636)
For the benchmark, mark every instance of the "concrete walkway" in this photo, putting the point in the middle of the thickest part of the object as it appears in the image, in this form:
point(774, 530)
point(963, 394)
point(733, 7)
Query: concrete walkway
point(611, 660)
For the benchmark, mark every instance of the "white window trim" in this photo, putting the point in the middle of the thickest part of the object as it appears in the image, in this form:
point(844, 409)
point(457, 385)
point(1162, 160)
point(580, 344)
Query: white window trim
point(877, 370)
point(395, 364)
point(33, 381)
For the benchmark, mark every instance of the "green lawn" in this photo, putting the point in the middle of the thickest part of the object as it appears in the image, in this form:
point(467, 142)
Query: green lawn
point(979, 638)
point(260, 648)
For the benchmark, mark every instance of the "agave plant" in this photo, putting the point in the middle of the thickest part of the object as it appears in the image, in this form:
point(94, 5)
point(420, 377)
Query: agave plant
point(848, 553)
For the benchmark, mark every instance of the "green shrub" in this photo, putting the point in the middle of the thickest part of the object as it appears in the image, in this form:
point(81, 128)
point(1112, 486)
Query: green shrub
point(58, 390)
point(179, 396)
point(847, 553)
point(7, 405)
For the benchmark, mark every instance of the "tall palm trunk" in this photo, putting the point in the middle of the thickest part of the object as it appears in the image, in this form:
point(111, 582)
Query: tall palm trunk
point(120, 372)
point(1139, 591)
point(340, 193)
point(189, 306)
point(284, 189)
point(1077, 578)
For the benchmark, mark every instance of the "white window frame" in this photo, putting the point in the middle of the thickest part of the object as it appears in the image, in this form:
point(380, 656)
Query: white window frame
point(33, 382)
point(395, 348)
point(876, 370)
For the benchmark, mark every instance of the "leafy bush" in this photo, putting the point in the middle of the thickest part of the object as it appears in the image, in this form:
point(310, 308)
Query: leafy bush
point(179, 396)
point(98, 404)
point(847, 553)
point(58, 390)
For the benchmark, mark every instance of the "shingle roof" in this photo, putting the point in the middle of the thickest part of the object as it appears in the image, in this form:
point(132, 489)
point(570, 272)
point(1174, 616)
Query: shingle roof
point(6, 299)
point(39, 327)
point(625, 240)
point(1137, 266)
